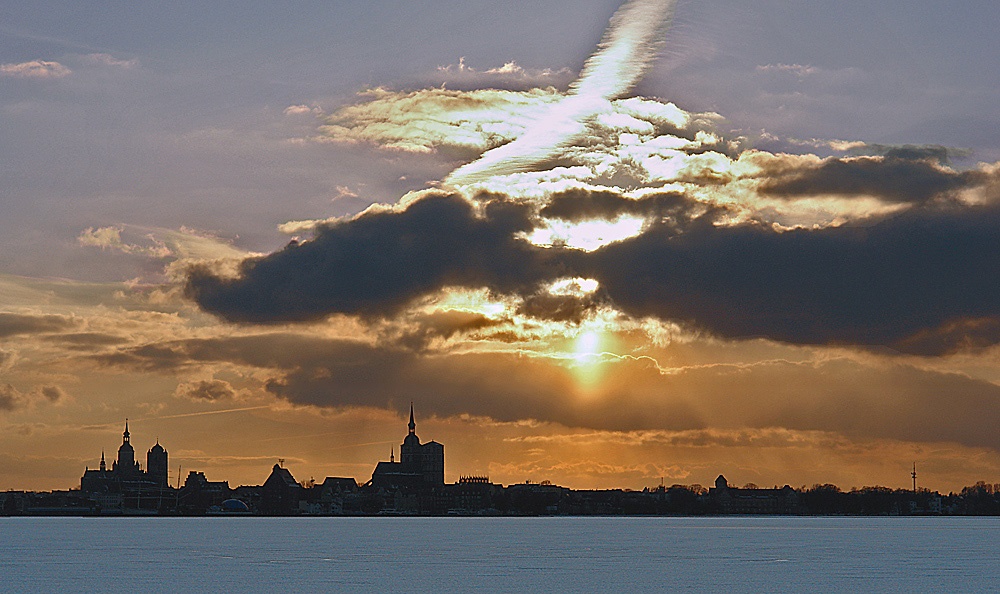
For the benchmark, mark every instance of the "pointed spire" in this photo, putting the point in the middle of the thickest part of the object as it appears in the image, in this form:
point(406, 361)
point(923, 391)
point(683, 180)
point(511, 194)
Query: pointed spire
point(126, 435)
point(104, 465)
point(412, 426)
point(392, 454)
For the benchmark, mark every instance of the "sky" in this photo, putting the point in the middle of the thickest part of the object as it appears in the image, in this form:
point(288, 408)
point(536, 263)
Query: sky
point(599, 243)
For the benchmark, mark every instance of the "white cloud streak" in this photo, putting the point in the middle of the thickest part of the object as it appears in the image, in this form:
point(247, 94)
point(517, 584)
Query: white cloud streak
point(623, 56)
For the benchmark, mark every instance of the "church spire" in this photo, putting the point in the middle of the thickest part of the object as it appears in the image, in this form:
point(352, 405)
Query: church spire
point(125, 435)
point(412, 426)
point(104, 465)
point(392, 455)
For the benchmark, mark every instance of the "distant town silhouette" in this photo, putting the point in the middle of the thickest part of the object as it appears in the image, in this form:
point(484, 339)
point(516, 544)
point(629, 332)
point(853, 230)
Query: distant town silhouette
point(415, 485)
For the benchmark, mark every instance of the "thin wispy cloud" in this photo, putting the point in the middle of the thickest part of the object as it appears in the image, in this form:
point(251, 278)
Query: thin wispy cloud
point(109, 60)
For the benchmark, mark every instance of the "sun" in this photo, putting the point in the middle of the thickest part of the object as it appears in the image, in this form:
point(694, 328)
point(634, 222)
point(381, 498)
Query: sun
point(586, 345)
point(588, 367)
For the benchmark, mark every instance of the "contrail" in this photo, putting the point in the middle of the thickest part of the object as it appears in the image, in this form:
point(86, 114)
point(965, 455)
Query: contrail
point(178, 416)
point(629, 46)
point(207, 412)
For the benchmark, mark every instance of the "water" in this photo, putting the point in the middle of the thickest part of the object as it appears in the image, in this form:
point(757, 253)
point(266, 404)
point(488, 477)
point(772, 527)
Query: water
point(618, 554)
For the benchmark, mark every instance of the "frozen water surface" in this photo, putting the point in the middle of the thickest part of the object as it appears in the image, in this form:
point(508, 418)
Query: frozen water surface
point(739, 554)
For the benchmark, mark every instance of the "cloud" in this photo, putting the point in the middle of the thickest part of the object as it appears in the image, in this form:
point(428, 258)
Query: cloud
point(86, 341)
point(14, 324)
point(891, 249)
point(379, 262)
point(463, 122)
point(180, 247)
point(867, 400)
point(561, 308)
point(919, 282)
point(292, 110)
point(693, 438)
point(933, 152)
point(35, 69)
point(10, 398)
point(579, 205)
point(510, 76)
point(111, 238)
point(421, 330)
point(902, 175)
point(624, 54)
point(796, 69)
point(206, 390)
point(53, 394)
point(110, 61)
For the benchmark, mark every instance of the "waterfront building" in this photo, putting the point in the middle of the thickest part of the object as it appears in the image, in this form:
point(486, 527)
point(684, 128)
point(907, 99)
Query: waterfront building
point(732, 500)
point(280, 493)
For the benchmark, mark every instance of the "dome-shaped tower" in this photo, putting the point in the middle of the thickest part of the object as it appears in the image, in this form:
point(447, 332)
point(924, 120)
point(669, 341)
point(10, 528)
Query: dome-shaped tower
point(156, 464)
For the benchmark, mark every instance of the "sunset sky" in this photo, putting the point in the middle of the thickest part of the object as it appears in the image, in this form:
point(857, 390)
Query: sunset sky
point(595, 243)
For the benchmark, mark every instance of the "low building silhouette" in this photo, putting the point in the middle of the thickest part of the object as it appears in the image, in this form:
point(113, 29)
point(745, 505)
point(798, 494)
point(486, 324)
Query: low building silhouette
point(200, 495)
point(732, 500)
point(280, 494)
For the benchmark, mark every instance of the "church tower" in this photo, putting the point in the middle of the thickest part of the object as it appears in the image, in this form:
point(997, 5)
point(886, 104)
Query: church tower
point(426, 460)
point(156, 464)
point(409, 451)
point(125, 466)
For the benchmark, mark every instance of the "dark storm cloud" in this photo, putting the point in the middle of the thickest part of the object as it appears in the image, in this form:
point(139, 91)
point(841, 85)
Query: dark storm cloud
point(581, 205)
point(559, 308)
point(903, 175)
point(921, 282)
point(12, 324)
point(422, 329)
point(909, 282)
point(378, 263)
point(933, 152)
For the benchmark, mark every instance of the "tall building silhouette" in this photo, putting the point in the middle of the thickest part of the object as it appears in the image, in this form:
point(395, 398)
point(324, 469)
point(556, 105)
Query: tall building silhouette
point(156, 464)
point(420, 465)
point(125, 471)
point(126, 466)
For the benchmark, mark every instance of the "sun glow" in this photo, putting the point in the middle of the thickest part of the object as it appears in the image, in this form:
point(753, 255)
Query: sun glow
point(573, 286)
point(588, 366)
point(586, 345)
point(588, 235)
point(477, 301)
